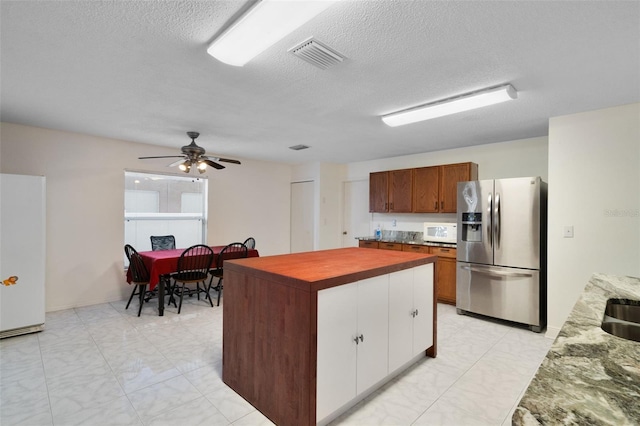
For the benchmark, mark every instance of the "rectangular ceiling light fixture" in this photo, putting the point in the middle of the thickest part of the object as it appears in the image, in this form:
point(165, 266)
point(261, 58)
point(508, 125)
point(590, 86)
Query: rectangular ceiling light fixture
point(264, 24)
point(466, 102)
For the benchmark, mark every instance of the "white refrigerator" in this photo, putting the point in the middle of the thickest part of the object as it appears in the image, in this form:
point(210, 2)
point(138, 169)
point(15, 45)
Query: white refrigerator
point(22, 254)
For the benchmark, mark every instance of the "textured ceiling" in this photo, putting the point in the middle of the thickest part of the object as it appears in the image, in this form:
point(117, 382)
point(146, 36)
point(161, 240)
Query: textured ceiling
point(139, 71)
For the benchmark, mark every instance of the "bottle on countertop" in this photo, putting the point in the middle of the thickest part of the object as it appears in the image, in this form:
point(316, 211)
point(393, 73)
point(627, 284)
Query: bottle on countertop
point(378, 233)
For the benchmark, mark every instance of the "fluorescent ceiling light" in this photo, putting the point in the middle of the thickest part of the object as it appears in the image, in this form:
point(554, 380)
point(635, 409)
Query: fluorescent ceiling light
point(466, 102)
point(264, 24)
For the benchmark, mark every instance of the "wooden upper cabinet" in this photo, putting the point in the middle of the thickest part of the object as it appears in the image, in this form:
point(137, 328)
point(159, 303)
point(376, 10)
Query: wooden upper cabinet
point(450, 175)
point(426, 187)
point(421, 190)
point(401, 191)
point(379, 192)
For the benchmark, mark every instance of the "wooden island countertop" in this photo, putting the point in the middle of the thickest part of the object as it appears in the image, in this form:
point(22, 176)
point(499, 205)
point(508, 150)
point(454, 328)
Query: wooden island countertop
point(317, 270)
point(270, 323)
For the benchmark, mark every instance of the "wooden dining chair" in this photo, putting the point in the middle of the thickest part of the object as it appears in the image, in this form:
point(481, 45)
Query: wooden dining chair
point(163, 242)
point(230, 251)
point(250, 243)
point(193, 268)
point(139, 275)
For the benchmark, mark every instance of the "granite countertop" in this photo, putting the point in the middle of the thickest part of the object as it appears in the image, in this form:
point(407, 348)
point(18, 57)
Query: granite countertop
point(405, 237)
point(588, 376)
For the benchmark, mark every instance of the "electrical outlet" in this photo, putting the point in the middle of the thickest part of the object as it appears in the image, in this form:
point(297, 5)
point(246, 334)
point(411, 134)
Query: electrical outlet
point(568, 232)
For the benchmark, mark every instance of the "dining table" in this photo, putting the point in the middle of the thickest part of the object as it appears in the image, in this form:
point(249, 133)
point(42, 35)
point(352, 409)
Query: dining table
point(162, 263)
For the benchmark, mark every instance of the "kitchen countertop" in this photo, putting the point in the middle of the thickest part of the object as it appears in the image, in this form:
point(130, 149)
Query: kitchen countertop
point(588, 375)
point(405, 237)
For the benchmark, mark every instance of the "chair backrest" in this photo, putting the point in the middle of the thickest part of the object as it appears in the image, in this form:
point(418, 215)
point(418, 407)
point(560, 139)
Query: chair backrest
point(139, 272)
point(163, 242)
point(231, 251)
point(250, 243)
point(195, 262)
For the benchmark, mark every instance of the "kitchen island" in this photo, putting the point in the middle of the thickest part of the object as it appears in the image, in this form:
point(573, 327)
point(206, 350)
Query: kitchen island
point(588, 376)
point(308, 335)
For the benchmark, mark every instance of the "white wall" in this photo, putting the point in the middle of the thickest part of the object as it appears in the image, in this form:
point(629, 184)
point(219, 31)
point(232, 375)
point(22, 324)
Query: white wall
point(525, 157)
point(85, 206)
point(594, 186)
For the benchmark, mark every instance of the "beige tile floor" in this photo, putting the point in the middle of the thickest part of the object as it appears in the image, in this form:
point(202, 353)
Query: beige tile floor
point(103, 365)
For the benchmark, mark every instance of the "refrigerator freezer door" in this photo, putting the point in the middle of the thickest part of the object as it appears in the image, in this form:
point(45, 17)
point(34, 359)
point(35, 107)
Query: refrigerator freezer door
point(506, 293)
point(475, 242)
point(517, 223)
point(22, 254)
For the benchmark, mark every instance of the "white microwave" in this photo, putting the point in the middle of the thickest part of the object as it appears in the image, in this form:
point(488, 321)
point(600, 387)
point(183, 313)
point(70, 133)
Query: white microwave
point(440, 232)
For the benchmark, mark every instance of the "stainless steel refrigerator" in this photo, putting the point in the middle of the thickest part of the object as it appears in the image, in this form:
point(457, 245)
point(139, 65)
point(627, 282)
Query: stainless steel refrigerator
point(501, 250)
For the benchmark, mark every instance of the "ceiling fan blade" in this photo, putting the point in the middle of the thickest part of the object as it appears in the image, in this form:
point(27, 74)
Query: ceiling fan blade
point(175, 163)
point(226, 160)
point(213, 164)
point(161, 156)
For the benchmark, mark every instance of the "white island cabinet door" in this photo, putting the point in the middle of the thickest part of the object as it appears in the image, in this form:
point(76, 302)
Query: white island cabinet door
point(336, 368)
point(423, 306)
point(373, 331)
point(400, 318)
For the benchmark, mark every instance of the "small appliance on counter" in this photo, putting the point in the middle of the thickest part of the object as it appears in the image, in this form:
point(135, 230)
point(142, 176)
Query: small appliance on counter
point(439, 232)
point(501, 256)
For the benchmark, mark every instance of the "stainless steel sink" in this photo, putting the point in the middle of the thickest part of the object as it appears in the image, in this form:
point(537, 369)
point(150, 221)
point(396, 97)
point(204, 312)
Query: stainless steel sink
point(625, 330)
point(623, 309)
point(622, 319)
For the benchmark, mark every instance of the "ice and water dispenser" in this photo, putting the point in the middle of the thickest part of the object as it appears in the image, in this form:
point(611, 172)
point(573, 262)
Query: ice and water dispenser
point(471, 227)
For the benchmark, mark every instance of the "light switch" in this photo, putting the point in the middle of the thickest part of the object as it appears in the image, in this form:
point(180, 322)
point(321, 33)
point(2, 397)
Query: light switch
point(568, 232)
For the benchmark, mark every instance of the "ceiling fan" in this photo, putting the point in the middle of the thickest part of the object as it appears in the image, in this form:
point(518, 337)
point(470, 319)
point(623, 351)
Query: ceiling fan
point(193, 156)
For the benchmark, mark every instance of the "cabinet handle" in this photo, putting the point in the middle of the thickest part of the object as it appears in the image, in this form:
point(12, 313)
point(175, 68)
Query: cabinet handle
point(386, 206)
point(435, 207)
point(442, 205)
point(362, 338)
point(416, 312)
point(391, 206)
point(444, 250)
point(356, 340)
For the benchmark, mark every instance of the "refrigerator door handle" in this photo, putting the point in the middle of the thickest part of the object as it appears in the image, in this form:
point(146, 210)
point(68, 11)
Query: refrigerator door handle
point(490, 218)
point(494, 273)
point(497, 221)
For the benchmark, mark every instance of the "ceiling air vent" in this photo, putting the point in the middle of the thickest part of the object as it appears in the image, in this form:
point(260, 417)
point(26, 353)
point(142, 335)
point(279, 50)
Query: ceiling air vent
point(316, 53)
point(298, 147)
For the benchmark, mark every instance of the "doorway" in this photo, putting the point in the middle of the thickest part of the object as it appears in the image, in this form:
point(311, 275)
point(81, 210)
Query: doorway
point(355, 212)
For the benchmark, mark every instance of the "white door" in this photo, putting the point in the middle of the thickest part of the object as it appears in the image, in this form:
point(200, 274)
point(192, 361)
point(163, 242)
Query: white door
point(336, 365)
point(423, 306)
point(22, 252)
point(372, 331)
point(355, 212)
point(302, 229)
point(400, 318)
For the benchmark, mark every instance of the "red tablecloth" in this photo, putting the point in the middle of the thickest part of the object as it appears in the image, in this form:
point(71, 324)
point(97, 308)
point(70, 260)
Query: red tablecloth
point(162, 262)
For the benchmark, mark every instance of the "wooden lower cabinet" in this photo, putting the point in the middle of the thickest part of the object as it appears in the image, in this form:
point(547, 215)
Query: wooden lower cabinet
point(445, 274)
point(368, 244)
point(390, 246)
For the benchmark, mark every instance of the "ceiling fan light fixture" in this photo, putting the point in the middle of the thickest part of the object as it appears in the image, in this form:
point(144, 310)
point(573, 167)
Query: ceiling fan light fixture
point(185, 167)
point(202, 167)
point(264, 24)
point(466, 102)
